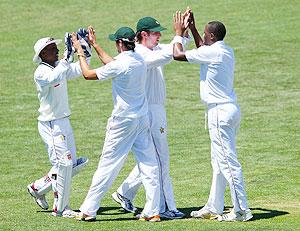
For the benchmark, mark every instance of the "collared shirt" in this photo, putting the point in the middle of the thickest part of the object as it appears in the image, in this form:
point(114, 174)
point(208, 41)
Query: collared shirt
point(51, 84)
point(155, 59)
point(216, 72)
point(128, 73)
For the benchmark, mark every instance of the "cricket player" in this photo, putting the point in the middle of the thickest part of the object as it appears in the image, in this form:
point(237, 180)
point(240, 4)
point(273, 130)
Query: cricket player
point(54, 125)
point(216, 61)
point(128, 126)
point(156, 55)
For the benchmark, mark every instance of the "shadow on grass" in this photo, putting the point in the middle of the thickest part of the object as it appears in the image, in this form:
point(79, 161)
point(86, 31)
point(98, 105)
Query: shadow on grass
point(258, 213)
point(266, 213)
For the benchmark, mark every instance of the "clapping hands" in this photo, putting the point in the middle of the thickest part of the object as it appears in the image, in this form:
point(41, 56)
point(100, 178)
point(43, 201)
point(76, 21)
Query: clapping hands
point(183, 21)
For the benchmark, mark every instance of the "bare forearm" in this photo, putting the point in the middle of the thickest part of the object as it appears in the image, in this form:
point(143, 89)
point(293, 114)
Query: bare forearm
point(178, 52)
point(197, 38)
point(86, 72)
point(103, 56)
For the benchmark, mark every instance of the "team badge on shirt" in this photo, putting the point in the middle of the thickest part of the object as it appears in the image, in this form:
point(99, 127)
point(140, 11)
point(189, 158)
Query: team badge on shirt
point(162, 130)
point(62, 137)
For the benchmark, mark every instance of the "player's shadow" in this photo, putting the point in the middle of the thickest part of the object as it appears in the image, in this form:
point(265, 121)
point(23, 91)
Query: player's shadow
point(112, 210)
point(266, 213)
point(109, 211)
point(258, 213)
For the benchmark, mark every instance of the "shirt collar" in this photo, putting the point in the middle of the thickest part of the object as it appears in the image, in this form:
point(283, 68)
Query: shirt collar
point(46, 64)
point(220, 42)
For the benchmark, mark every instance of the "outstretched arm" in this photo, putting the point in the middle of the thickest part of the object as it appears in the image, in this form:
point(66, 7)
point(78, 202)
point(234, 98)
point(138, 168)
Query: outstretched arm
point(103, 56)
point(179, 28)
point(86, 72)
point(192, 25)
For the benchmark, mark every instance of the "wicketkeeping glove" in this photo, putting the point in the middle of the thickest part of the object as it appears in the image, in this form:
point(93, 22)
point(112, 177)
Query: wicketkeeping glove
point(69, 49)
point(83, 33)
point(82, 36)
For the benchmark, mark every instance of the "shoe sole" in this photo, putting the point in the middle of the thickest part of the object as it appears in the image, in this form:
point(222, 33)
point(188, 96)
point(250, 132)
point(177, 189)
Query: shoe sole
point(178, 217)
point(206, 216)
point(237, 220)
point(171, 218)
point(248, 218)
point(116, 199)
point(86, 219)
point(155, 219)
point(30, 191)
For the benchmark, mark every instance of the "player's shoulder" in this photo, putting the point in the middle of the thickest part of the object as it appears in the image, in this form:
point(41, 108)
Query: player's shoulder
point(41, 69)
point(141, 49)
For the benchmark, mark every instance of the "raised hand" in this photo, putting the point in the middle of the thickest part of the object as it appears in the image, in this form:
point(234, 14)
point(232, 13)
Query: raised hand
point(76, 43)
point(91, 35)
point(186, 16)
point(82, 36)
point(83, 33)
point(178, 23)
point(192, 23)
point(69, 50)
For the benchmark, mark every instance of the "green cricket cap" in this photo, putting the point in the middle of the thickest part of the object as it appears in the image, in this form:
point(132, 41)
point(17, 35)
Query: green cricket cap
point(123, 33)
point(150, 24)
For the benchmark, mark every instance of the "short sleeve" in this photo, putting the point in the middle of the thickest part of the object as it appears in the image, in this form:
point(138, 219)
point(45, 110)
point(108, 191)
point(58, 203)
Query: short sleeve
point(110, 70)
point(201, 55)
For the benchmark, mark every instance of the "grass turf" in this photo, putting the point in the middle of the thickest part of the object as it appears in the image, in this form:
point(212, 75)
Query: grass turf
point(266, 43)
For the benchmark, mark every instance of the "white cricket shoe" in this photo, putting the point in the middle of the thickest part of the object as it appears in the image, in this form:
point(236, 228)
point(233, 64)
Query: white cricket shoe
point(67, 213)
point(236, 216)
point(124, 202)
point(84, 217)
point(204, 213)
point(39, 199)
point(172, 214)
point(142, 217)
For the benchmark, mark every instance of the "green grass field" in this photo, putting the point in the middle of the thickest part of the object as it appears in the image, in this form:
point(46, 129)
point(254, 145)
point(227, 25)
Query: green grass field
point(265, 36)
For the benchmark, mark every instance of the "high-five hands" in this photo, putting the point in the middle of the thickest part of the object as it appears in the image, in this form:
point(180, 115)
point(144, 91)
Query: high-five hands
point(76, 43)
point(92, 35)
point(180, 22)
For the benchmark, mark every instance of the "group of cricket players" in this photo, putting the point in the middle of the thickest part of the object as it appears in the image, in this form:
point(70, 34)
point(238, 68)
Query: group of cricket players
point(138, 120)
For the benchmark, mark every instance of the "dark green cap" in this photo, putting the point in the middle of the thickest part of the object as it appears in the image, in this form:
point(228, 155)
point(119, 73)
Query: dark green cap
point(123, 33)
point(149, 23)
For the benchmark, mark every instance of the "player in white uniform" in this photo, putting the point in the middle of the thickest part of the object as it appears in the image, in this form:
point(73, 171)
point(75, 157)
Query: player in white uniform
point(216, 61)
point(156, 55)
point(128, 126)
point(53, 124)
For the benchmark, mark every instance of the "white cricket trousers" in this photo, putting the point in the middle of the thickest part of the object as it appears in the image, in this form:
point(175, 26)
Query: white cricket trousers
point(123, 135)
point(158, 130)
point(59, 141)
point(223, 124)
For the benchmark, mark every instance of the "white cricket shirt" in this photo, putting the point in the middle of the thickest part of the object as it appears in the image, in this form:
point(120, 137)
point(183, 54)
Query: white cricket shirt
point(51, 84)
point(128, 73)
point(216, 72)
point(155, 59)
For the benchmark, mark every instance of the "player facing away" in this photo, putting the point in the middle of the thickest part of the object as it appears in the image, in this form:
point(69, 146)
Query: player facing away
point(127, 128)
point(54, 125)
point(216, 61)
point(156, 55)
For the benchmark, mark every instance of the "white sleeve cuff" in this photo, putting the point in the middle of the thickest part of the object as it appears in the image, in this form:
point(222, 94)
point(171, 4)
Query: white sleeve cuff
point(178, 39)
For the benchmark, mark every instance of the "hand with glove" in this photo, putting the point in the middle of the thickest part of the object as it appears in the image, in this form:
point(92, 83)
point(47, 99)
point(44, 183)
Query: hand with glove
point(69, 49)
point(82, 36)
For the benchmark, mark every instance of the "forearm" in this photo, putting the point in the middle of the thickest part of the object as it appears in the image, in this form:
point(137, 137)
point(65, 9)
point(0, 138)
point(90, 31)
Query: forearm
point(86, 72)
point(103, 56)
point(178, 52)
point(197, 38)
